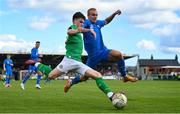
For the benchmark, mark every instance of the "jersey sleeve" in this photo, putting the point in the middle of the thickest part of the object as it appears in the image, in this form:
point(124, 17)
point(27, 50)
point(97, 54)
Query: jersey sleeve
point(86, 24)
point(101, 23)
point(74, 27)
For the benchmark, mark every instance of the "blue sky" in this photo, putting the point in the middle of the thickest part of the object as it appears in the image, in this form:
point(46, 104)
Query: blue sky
point(145, 27)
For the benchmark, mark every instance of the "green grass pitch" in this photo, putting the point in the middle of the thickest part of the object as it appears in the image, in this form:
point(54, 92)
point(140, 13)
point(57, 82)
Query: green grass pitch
point(143, 96)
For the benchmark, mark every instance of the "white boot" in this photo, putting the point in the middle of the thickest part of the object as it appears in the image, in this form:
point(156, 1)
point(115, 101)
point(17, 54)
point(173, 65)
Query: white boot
point(22, 86)
point(38, 86)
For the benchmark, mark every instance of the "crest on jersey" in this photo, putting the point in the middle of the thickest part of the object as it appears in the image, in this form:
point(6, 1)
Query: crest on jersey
point(60, 66)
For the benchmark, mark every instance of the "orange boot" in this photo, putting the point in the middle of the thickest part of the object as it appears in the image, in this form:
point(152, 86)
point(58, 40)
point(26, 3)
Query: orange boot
point(129, 78)
point(67, 86)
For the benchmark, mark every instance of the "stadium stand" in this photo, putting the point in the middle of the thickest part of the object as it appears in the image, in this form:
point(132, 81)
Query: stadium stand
point(53, 59)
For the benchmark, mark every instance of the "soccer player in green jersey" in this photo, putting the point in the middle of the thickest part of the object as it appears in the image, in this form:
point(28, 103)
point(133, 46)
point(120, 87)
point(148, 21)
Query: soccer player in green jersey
point(43, 68)
point(72, 59)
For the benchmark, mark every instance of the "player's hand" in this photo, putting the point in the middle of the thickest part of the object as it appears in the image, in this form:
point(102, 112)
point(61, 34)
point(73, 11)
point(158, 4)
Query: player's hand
point(80, 29)
point(93, 32)
point(118, 12)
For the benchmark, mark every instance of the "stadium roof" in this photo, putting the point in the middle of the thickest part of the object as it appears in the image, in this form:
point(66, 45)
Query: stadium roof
point(48, 58)
point(158, 62)
point(169, 67)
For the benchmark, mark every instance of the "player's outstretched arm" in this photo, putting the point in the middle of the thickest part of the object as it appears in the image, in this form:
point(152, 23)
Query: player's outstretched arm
point(30, 62)
point(110, 18)
point(87, 30)
point(72, 32)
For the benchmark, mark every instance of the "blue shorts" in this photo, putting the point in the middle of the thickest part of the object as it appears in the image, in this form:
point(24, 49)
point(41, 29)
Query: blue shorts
point(32, 69)
point(96, 59)
point(8, 73)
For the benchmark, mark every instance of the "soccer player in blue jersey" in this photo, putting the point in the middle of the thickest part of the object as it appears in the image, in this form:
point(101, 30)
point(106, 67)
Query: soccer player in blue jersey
point(8, 67)
point(97, 51)
point(72, 60)
point(33, 69)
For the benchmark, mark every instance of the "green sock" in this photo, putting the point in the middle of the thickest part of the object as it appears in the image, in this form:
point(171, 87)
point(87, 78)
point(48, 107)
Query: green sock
point(102, 85)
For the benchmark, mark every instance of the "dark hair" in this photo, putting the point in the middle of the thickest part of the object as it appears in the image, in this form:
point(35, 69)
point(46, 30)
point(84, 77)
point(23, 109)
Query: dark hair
point(37, 42)
point(78, 15)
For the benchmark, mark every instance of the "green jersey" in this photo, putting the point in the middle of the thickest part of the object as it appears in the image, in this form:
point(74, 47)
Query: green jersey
point(43, 68)
point(74, 45)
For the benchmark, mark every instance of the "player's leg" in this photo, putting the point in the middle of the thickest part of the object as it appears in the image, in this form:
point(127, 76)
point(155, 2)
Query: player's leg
point(116, 56)
point(39, 75)
point(26, 76)
point(78, 78)
point(44, 69)
point(7, 80)
point(92, 63)
point(89, 72)
point(3, 78)
point(10, 77)
point(30, 62)
point(54, 74)
point(61, 68)
point(100, 82)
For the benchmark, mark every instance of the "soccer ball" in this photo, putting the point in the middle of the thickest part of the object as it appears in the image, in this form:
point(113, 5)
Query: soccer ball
point(119, 100)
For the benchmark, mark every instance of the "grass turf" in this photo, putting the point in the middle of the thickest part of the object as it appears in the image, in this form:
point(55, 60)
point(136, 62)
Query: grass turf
point(143, 96)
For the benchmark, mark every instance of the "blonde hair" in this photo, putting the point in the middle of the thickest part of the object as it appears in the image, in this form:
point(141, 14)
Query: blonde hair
point(89, 10)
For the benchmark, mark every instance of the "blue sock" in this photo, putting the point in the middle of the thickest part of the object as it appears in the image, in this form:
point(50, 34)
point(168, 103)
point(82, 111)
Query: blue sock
point(76, 80)
point(6, 81)
point(122, 68)
point(38, 79)
point(25, 79)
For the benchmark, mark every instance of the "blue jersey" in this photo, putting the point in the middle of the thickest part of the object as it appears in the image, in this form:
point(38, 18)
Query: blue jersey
point(8, 66)
point(93, 45)
point(34, 54)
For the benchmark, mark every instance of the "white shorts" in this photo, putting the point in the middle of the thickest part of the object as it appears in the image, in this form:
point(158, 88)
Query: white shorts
point(71, 65)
